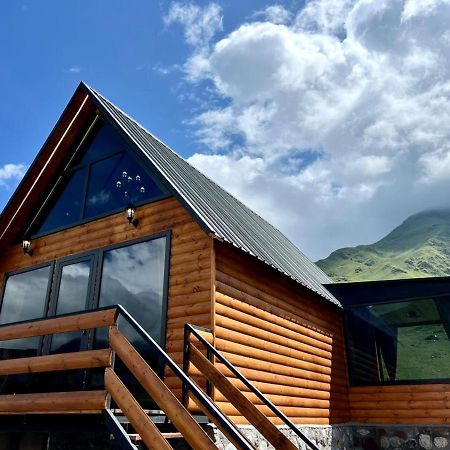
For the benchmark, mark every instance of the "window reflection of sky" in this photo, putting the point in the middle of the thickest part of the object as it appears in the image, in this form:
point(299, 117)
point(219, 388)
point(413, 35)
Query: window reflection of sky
point(133, 276)
point(71, 297)
point(24, 299)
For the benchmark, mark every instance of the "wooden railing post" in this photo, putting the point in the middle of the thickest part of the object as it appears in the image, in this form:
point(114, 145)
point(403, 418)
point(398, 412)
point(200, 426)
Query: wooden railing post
point(159, 392)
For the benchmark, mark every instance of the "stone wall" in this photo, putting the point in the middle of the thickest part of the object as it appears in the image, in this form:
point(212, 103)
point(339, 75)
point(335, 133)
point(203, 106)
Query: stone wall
point(354, 437)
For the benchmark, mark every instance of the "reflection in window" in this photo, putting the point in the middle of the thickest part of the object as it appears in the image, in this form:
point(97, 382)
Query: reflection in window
point(72, 296)
point(116, 182)
point(24, 299)
point(401, 341)
point(66, 210)
point(112, 177)
point(133, 277)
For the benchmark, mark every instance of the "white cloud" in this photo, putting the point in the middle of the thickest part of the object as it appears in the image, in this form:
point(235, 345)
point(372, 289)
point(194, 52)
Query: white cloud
point(200, 26)
point(11, 174)
point(362, 84)
point(277, 14)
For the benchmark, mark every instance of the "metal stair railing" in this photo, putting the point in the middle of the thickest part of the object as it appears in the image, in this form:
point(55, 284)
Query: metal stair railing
point(208, 407)
point(212, 351)
point(99, 401)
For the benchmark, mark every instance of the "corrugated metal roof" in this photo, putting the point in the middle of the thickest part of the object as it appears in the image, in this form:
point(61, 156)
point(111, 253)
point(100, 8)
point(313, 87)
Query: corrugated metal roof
point(216, 210)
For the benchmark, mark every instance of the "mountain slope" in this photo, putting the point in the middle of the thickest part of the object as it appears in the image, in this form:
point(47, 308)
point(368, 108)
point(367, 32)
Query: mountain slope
point(419, 247)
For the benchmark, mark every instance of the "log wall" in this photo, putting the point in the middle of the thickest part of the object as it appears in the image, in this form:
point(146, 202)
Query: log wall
point(189, 295)
point(286, 340)
point(403, 404)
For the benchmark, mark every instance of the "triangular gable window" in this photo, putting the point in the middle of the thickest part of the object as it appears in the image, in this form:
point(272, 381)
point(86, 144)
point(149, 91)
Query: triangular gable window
point(104, 180)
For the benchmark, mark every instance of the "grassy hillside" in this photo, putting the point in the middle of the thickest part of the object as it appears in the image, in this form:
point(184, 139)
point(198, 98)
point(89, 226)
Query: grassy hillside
point(419, 247)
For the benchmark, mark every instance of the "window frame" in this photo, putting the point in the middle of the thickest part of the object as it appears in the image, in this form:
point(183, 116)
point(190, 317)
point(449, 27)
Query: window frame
point(68, 171)
point(165, 295)
point(346, 315)
point(97, 255)
point(51, 265)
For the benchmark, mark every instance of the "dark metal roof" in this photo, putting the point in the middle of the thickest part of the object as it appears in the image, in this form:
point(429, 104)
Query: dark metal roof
point(358, 293)
point(217, 211)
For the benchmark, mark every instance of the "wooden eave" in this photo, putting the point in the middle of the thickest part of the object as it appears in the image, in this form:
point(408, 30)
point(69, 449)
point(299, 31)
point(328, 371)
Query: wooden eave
point(75, 119)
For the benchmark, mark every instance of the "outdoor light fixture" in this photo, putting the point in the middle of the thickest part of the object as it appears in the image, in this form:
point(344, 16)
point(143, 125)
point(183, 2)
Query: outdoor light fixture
point(26, 246)
point(131, 215)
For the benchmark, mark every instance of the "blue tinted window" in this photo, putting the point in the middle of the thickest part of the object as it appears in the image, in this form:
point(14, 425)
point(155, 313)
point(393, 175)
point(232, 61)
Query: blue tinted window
point(24, 299)
point(106, 141)
point(112, 177)
point(116, 182)
point(67, 209)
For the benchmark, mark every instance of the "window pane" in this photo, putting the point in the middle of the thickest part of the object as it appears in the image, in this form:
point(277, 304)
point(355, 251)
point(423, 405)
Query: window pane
point(402, 341)
point(24, 299)
point(67, 209)
point(133, 277)
point(116, 182)
point(105, 142)
point(72, 296)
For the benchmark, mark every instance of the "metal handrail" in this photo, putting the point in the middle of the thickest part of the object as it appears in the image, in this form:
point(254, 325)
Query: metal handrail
point(210, 407)
point(188, 328)
point(200, 396)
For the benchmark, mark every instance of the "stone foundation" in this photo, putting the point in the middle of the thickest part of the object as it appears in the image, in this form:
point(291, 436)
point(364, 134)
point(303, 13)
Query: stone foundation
point(353, 437)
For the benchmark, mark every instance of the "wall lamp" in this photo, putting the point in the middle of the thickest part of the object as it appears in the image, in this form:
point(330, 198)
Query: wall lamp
point(26, 247)
point(131, 215)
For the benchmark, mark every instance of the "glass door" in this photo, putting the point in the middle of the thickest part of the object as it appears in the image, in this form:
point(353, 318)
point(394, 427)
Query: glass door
point(73, 291)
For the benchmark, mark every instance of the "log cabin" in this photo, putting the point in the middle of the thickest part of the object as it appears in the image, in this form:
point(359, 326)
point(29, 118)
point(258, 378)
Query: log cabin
point(146, 306)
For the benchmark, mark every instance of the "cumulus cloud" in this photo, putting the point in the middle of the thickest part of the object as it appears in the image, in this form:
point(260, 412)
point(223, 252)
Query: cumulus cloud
point(200, 26)
point(11, 174)
point(336, 119)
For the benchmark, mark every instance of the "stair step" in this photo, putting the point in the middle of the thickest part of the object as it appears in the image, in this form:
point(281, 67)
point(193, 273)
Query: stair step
point(135, 437)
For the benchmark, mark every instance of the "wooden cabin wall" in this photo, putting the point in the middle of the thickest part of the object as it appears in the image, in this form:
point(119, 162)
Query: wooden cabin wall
point(286, 340)
point(423, 404)
point(189, 295)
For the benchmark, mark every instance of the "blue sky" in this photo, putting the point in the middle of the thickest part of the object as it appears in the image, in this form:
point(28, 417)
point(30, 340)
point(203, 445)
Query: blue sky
point(48, 47)
point(328, 118)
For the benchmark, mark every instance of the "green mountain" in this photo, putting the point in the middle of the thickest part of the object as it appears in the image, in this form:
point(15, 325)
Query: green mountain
point(419, 247)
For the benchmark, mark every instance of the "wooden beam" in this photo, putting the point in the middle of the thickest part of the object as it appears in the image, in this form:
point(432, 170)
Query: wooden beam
point(82, 321)
point(136, 415)
point(240, 402)
point(159, 392)
point(58, 362)
point(53, 402)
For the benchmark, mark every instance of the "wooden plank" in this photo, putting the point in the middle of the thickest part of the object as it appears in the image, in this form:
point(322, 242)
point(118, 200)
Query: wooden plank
point(283, 380)
point(159, 392)
point(282, 400)
point(291, 391)
point(399, 405)
point(311, 316)
point(188, 310)
point(54, 363)
point(83, 321)
point(400, 413)
point(239, 401)
point(305, 338)
point(264, 350)
point(275, 368)
point(53, 402)
point(408, 388)
point(136, 415)
point(400, 396)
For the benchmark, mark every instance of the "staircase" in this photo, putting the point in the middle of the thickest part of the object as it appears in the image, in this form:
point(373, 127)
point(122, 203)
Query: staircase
point(131, 427)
